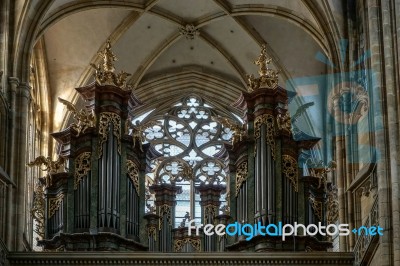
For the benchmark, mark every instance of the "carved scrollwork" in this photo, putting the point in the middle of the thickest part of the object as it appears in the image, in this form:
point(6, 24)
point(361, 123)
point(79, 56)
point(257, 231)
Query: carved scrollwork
point(107, 118)
point(152, 232)
point(317, 206)
point(38, 208)
point(332, 206)
point(133, 172)
point(210, 211)
point(284, 122)
point(164, 210)
point(179, 243)
point(54, 204)
point(290, 170)
point(241, 176)
point(269, 121)
point(82, 167)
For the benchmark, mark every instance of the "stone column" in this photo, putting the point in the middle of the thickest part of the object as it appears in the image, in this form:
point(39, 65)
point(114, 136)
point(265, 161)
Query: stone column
point(381, 142)
point(340, 167)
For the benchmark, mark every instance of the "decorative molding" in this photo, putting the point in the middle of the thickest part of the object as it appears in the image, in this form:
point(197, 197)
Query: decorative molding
point(105, 119)
point(181, 259)
point(317, 207)
point(133, 172)
point(269, 121)
point(290, 170)
point(82, 167)
point(241, 176)
point(54, 204)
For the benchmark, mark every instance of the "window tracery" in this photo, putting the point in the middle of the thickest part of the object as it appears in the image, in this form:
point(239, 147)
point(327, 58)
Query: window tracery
point(188, 149)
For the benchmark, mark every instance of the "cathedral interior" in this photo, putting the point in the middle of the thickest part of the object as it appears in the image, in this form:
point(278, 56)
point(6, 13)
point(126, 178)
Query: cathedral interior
point(129, 128)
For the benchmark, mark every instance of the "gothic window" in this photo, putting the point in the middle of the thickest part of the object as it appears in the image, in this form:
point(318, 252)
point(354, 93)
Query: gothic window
point(187, 149)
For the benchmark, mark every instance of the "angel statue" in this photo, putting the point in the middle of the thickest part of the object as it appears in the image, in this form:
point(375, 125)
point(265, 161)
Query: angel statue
point(49, 166)
point(238, 131)
point(138, 131)
point(84, 118)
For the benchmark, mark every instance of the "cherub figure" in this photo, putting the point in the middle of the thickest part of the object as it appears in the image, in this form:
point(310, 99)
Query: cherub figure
point(84, 119)
point(51, 167)
point(138, 131)
point(238, 131)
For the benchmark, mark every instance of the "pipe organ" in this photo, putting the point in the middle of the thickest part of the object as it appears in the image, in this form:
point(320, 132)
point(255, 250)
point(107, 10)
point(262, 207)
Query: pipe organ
point(94, 197)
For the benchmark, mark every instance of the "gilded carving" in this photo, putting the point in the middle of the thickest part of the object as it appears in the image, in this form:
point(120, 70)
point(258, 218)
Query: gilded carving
point(83, 118)
point(283, 122)
point(268, 120)
point(241, 176)
point(107, 118)
point(332, 206)
point(38, 208)
point(172, 170)
point(82, 167)
point(105, 72)
point(49, 166)
point(152, 232)
point(54, 204)
point(268, 77)
point(317, 206)
point(179, 243)
point(290, 170)
point(238, 131)
point(133, 172)
point(164, 210)
point(319, 171)
point(210, 211)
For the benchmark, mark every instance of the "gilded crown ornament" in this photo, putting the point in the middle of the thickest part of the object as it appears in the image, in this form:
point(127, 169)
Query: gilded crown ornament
point(268, 77)
point(105, 72)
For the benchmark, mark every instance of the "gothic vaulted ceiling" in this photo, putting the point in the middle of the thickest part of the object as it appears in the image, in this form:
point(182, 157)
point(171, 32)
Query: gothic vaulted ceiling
point(153, 39)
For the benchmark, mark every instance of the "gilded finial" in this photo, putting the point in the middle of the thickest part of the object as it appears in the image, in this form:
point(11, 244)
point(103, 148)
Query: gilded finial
point(268, 77)
point(105, 72)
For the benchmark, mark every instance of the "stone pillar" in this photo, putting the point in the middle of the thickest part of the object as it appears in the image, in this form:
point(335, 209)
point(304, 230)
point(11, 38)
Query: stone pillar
point(381, 142)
